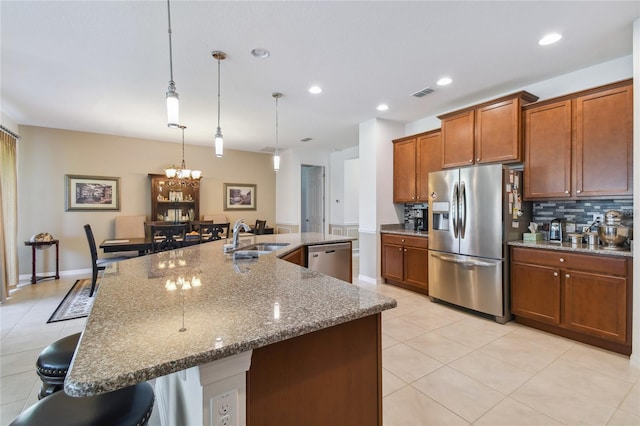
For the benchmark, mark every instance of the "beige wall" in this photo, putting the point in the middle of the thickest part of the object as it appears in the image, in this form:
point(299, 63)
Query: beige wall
point(45, 155)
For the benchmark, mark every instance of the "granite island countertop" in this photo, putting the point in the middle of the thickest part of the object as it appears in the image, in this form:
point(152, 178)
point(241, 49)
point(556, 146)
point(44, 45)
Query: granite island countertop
point(577, 248)
point(133, 332)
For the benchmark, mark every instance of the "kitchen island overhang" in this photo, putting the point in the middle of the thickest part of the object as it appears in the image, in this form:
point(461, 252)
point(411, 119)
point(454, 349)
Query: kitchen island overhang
point(133, 332)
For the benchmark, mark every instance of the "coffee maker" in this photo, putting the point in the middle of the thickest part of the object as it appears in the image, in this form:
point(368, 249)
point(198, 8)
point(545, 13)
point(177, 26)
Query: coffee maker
point(420, 219)
point(556, 230)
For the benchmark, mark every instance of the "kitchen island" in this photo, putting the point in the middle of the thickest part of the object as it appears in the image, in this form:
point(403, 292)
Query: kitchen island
point(265, 331)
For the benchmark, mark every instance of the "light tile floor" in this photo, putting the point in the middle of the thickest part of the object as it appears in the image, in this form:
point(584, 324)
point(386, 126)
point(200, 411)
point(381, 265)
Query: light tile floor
point(441, 366)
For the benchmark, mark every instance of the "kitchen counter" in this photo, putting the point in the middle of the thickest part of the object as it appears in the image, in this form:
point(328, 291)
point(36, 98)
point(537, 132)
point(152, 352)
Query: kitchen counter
point(579, 248)
point(133, 332)
point(400, 229)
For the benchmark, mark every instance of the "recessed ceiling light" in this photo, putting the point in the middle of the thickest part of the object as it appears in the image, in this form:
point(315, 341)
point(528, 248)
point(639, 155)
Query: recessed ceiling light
point(444, 81)
point(260, 53)
point(315, 89)
point(549, 39)
point(382, 107)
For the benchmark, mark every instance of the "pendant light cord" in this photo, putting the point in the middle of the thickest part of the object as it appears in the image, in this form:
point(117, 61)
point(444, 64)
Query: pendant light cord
point(277, 124)
point(170, 46)
point(218, 93)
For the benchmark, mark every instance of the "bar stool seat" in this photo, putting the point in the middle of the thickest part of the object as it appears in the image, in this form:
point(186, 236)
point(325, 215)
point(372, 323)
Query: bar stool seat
point(127, 406)
point(53, 363)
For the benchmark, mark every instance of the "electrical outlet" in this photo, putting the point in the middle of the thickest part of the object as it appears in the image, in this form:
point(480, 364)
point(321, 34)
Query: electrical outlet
point(598, 217)
point(225, 408)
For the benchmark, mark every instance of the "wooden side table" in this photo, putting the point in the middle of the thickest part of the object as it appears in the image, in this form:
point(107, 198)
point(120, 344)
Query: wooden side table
point(36, 244)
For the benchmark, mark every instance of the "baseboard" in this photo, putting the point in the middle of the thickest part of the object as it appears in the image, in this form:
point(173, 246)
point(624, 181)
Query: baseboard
point(27, 277)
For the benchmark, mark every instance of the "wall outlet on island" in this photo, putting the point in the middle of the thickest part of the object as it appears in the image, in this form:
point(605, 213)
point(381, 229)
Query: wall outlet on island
point(598, 217)
point(225, 408)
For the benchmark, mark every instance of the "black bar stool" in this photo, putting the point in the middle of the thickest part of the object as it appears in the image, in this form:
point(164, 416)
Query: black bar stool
point(53, 363)
point(130, 406)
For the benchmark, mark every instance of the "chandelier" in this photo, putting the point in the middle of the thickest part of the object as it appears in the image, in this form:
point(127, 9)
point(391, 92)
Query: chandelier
point(182, 176)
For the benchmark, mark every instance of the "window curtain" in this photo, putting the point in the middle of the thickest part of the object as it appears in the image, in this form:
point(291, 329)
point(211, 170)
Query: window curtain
point(8, 212)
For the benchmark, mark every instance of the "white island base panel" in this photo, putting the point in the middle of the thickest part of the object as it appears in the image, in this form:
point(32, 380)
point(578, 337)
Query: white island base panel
point(209, 394)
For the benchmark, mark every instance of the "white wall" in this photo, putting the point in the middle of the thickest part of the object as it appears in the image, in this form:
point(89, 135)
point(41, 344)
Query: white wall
point(340, 196)
point(288, 180)
point(376, 191)
point(351, 191)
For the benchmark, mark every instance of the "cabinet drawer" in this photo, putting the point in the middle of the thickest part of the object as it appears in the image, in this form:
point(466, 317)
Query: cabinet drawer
point(565, 260)
point(403, 240)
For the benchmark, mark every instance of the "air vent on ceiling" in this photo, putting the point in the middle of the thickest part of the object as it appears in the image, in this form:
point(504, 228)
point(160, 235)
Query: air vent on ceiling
point(423, 92)
point(305, 139)
point(269, 149)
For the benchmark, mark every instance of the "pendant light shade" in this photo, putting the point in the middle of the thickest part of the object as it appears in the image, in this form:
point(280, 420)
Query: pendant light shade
point(276, 154)
point(219, 142)
point(173, 100)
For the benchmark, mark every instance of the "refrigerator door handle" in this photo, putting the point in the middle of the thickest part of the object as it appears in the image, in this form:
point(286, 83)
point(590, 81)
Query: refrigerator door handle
point(462, 210)
point(454, 209)
point(453, 259)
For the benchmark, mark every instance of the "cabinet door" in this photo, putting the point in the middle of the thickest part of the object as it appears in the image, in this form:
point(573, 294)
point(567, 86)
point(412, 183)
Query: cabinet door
point(296, 256)
point(498, 133)
point(535, 292)
point(457, 140)
point(547, 163)
point(416, 267)
point(429, 155)
point(404, 171)
point(596, 304)
point(604, 143)
point(392, 262)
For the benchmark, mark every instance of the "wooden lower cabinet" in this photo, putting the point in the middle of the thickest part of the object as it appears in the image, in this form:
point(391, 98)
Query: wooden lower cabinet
point(405, 261)
point(581, 296)
point(296, 256)
point(329, 377)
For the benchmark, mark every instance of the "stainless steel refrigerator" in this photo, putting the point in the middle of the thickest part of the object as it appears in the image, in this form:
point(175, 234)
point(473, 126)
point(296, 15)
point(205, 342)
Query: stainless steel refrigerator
point(473, 212)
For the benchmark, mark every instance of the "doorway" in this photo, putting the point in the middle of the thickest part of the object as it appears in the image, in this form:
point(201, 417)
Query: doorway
point(312, 199)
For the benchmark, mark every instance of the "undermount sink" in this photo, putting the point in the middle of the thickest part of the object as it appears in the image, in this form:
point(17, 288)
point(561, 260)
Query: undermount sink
point(258, 249)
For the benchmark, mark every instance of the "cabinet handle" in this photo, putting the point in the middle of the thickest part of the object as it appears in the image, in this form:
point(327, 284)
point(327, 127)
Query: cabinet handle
point(579, 191)
point(478, 159)
point(471, 161)
point(403, 240)
point(566, 192)
point(555, 274)
point(561, 260)
point(567, 276)
point(399, 248)
point(405, 250)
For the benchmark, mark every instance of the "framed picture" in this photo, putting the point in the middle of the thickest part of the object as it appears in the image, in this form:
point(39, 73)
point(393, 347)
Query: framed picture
point(92, 193)
point(239, 196)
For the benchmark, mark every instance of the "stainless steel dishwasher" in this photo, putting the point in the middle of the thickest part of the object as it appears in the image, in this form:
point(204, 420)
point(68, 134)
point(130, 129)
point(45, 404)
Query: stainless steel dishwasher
point(331, 259)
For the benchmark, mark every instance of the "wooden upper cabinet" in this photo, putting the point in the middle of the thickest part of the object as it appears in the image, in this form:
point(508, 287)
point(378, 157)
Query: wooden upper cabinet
point(604, 143)
point(414, 157)
point(580, 145)
point(404, 170)
point(429, 159)
point(547, 166)
point(485, 133)
point(458, 139)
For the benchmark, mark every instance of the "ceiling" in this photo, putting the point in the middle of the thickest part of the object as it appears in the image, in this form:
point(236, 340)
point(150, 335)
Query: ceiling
point(103, 66)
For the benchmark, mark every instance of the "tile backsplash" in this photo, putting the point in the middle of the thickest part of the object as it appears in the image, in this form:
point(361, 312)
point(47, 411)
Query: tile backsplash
point(580, 212)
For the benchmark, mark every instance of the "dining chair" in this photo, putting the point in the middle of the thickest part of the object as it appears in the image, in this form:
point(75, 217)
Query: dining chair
point(259, 228)
point(211, 231)
point(98, 264)
point(167, 237)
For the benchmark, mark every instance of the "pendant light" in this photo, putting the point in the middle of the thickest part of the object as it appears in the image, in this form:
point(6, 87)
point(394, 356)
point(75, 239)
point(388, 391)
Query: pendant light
point(276, 154)
point(182, 176)
point(173, 100)
point(219, 56)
